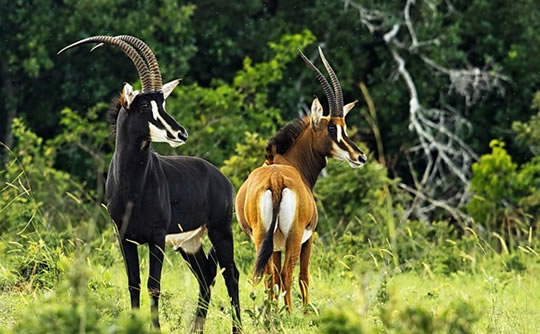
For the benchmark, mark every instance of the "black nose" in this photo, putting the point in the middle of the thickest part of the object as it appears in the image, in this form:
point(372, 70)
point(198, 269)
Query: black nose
point(182, 134)
point(362, 159)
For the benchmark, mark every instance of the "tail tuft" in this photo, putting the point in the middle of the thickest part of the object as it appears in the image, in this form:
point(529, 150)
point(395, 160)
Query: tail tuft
point(267, 246)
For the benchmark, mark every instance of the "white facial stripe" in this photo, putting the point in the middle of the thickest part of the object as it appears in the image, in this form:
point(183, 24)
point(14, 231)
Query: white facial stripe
point(157, 134)
point(338, 153)
point(339, 135)
point(157, 117)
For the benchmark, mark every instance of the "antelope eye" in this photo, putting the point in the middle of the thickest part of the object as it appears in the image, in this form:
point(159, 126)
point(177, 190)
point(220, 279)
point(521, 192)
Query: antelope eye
point(145, 106)
point(332, 127)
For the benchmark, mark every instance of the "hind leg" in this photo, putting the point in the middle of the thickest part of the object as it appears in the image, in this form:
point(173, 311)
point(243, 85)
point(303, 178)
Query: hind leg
point(222, 239)
point(205, 270)
point(273, 268)
point(292, 253)
point(303, 280)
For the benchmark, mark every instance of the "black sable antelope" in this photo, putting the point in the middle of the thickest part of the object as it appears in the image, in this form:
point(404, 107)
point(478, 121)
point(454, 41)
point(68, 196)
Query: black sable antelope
point(162, 200)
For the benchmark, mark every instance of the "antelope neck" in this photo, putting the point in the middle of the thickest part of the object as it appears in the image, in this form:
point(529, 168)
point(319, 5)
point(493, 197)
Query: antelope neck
point(132, 158)
point(304, 158)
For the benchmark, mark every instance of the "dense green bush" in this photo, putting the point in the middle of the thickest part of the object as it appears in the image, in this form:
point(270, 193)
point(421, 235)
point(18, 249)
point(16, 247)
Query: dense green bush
point(342, 322)
point(349, 198)
point(52, 316)
point(458, 318)
point(248, 155)
point(217, 117)
point(506, 198)
point(34, 191)
point(528, 133)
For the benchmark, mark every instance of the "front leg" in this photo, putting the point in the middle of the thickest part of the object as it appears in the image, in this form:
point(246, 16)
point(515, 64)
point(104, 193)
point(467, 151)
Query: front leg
point(131, 260)
point(154, 278)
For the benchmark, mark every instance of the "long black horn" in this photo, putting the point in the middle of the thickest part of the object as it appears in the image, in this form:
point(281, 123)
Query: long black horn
point(150, 59)
point(335, 83)
point(139, 63)
point(324, 83)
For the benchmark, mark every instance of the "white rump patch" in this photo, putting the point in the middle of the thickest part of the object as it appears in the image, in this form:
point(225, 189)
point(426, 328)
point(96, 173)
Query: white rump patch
point(286, 217)
point(287, 211)
point(190, 241)
point(265, 207)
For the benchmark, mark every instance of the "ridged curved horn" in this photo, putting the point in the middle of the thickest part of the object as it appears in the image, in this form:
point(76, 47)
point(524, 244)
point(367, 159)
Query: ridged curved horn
point(150, 59)
point(324, 83)
point(335, 83)
point(137, 60)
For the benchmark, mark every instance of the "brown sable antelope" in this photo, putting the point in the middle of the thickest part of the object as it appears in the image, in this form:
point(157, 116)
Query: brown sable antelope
point(275, 206)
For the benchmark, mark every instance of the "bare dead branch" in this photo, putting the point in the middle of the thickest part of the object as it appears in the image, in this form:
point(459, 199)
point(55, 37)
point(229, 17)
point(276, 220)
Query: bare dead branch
point(444, 158)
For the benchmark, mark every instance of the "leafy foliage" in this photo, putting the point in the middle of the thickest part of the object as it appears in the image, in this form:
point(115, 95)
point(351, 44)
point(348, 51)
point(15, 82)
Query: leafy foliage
point(243, 79)
point(218, 117)
point(506, 198)
point(458, 318)
point(346, 194)
point(249, 155)
point(34, 190)
point(528, 133)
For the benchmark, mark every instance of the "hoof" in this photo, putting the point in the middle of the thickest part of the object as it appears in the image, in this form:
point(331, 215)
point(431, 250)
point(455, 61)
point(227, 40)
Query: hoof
point(198, 326)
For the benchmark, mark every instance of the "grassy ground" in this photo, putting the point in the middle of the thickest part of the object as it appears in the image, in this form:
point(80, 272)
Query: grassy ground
point(380, 299)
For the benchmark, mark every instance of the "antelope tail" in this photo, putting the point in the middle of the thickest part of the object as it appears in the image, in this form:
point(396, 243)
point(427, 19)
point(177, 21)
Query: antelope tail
point(267, 246)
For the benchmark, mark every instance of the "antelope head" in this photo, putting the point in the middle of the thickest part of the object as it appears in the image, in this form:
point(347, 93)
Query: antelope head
point(330, 132)
point(142, 114)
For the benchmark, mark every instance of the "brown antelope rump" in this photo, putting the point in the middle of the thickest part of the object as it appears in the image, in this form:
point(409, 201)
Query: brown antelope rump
point(275, 205)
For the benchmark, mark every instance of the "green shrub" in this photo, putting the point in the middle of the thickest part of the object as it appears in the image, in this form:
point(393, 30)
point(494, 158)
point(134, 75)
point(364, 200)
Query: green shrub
point(528, 133)
point(342, 322)
point(50, 316)
point(248, 156)
point(352, 199)
point(34, 192)
point(458, 318)
point(506, 198)
point(217, 117)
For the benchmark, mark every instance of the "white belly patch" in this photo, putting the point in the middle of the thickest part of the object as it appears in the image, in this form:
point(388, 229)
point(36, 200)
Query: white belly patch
point(307, 235)
point(280, 242)
point(190, 241)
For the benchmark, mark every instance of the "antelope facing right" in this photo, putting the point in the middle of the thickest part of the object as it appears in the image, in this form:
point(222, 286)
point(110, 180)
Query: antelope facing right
point(275, 205)
point(165, 200)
